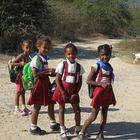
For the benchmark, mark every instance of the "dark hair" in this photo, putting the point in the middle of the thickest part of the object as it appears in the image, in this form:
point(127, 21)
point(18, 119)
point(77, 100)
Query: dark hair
point(28, 41)
point(71, 45)
point(43, 39)
point(106, 47)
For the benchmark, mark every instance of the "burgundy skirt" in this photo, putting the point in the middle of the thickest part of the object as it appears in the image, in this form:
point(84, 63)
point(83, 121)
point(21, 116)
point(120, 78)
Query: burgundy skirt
point(70, 90)
point(102, 97)
point(41, 93)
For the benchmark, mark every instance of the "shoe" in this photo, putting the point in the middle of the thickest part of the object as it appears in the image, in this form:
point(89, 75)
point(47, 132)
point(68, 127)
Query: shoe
point(100, 137)
point(37, 131)
point(55, 127)
point(27, 111)
point(81, 137)
point(19, 113)
point(63, 136)
point(76, 132)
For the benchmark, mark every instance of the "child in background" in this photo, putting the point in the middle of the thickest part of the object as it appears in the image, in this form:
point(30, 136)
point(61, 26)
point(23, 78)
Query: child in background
point(41, 92)
point(69, 81)
point(20, 61)
point(103, 95)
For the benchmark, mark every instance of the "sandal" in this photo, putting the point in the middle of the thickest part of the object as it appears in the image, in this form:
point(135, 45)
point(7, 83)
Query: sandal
point(63, 136)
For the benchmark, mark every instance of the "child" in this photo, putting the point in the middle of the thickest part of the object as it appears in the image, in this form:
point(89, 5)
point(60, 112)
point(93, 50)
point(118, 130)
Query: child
point(41, 92)
point(103, 95)
point(20, 61)
point(69, 81)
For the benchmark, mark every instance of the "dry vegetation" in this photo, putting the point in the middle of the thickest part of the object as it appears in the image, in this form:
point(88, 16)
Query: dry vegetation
point(126, 49)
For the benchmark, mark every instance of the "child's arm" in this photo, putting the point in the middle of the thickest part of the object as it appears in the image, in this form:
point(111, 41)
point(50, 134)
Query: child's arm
point(37, 73)
point(95, 83)
point(60, 86)
point(18, 61)
point(78, 89)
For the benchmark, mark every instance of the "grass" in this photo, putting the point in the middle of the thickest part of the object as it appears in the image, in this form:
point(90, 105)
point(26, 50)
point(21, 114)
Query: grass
point(126, 48)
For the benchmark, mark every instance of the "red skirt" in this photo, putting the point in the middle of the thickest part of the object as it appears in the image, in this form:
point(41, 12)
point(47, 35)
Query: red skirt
point(70, 90)
point(102, 97)
point(41, 93)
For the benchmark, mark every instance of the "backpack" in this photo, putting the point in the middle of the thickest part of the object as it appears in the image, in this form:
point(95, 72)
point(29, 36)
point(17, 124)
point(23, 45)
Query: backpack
point(13, 71)
point(28, 79)
point(92, 87)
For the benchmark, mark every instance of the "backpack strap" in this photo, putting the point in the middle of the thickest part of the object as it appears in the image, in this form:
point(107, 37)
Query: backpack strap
point(96, 72)
point(65, 71)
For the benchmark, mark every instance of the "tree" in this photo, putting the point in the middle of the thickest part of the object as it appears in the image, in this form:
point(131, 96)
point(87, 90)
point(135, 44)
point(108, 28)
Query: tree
point(20, 18)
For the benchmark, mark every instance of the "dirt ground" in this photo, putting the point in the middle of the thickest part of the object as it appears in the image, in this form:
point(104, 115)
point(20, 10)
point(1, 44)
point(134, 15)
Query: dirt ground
point(123, 119)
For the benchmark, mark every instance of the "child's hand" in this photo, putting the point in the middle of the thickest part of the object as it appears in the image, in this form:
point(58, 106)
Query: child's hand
point(73, 97)
point(22, 63)
point(104, 85)
point(51, 71)
point(65, 97)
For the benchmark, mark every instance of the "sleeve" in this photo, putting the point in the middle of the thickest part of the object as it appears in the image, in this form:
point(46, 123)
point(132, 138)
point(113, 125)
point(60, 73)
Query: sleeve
point(59, 68)
point(35, 63)
point(82, 71)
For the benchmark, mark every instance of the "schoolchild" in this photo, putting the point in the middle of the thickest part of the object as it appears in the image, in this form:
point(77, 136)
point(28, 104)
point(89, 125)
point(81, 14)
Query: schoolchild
point(41, 94)
point(103, 94)
point(69, 82)
point(20, 61)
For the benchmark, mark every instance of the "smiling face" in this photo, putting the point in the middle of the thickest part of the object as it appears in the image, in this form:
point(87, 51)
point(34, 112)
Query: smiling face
point(104, 55)
point(70, 54)
point(43, 48)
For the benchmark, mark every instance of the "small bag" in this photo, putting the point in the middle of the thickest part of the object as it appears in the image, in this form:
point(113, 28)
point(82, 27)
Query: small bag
point(91, 87)
point(13, 71)
point(27, 77)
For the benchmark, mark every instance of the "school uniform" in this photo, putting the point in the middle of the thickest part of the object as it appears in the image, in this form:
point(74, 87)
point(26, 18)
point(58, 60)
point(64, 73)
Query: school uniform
point(41, 93)
point(25, 58)
point(70, 75)
point(103, 96)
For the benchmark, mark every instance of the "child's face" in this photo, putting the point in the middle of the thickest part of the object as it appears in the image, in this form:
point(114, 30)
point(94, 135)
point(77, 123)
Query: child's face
point(44, 48)
point(27, 48)
point(104, 56)
point(70, 54)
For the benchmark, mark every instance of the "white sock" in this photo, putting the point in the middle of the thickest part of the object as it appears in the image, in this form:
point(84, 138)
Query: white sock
point(81, 133)
point(23, 106)
point(62, 129)
point(33, 126)
point(16, 108)
point(52, 122)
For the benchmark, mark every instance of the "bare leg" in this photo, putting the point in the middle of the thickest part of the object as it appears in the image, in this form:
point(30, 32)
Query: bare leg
point(90, 119)
point(35, 113)
point(22, 97)
point(77, 112)
point(104, 111)
point(61, 114)
point(51, 112)
point(17, 98)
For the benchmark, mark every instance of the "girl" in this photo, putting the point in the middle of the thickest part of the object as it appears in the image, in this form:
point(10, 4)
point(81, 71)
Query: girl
point(69, 81)
point(41, 92)
point(20, 61)
point(103, 95)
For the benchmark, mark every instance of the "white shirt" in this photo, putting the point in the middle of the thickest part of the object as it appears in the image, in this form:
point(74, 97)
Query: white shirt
point(71, 69)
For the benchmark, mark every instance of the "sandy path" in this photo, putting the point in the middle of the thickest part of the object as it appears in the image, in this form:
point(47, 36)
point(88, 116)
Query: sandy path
point(123, 119)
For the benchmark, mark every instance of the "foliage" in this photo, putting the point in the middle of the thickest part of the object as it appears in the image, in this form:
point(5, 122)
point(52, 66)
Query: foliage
point(19, 19)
